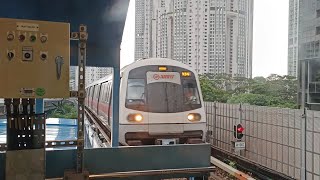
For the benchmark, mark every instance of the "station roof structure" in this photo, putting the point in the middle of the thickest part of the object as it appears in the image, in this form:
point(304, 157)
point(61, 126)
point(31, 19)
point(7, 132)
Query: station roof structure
point(105, 21)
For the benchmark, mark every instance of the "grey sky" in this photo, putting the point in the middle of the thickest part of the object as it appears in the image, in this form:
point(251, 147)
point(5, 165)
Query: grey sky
point(270, 37)
point(270, 34)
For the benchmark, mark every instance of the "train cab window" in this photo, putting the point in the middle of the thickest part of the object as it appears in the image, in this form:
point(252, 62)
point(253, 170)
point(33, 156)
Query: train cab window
point(191, 95)
point(135, 94)
point(190, 91)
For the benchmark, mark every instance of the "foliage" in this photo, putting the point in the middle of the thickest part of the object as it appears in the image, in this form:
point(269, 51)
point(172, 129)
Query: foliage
point(211, 90)
point(64, 110)
point(275, 90)
point(233, 164)
point(256, 99)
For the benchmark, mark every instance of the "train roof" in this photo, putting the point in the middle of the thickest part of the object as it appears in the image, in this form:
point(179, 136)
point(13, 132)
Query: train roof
point(145, 62)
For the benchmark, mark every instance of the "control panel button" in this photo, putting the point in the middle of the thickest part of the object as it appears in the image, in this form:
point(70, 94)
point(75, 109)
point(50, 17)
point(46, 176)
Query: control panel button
point(33, 38)
point(22, 37)
point(10, 55)
point(43, 39)
point(43, 55)
point(10, 37)
point(27, 53)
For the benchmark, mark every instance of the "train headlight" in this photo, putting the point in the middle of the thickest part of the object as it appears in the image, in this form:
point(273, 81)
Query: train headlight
point(138, 117)
point(135, 117)
point(194, 117)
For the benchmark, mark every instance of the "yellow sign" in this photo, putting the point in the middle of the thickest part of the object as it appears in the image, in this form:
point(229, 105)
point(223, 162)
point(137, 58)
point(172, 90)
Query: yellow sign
point(185, 74)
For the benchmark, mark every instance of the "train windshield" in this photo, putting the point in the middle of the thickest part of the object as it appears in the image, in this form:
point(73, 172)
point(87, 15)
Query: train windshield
point(136, 94)
point(161, 92)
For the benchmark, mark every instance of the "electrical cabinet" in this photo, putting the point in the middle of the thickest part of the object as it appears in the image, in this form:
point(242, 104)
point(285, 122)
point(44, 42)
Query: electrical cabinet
point(34, 59)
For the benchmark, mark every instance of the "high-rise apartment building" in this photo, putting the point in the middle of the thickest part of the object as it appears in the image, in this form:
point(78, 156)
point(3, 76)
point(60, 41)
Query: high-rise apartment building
point(293, 37)
point(92, 74)
point(73, 75)
point(212, 36)
point(309, 53)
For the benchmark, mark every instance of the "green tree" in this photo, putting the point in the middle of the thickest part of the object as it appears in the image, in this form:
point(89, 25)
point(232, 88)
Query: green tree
point(64, 110)
point(211, 91)
point(275, 90)
point(253, 99)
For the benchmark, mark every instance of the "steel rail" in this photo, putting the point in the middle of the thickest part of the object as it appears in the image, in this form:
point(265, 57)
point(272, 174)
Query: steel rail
point(244, 164)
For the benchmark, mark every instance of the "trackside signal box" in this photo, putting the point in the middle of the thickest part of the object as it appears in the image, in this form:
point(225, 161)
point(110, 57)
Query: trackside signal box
point(34, 59)
point(238, 131)
point(238, 144)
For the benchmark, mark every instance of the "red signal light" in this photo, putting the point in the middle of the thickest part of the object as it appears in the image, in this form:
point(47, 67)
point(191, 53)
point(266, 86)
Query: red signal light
point(240, 129)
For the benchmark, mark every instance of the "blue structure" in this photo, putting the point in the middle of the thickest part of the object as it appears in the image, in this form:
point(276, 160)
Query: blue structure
point(39, 106)
point(115, 106)
point(126, 159)
point(105, 21)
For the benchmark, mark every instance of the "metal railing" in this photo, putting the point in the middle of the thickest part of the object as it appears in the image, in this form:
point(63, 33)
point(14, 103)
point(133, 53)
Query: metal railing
point(275, 137)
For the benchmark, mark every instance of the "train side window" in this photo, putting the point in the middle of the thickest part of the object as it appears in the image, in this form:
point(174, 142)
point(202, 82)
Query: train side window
point(96, 92)
point(102, 93)
point(108, 92)
point(88, 94)
point(91, 92)
point(109, 100)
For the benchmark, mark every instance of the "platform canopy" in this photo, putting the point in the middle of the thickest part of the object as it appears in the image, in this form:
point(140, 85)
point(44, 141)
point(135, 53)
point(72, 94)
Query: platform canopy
point(105, 20)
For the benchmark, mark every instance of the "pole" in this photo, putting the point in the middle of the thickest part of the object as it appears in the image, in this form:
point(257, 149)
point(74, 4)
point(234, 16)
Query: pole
point(115, 107)
point(303, 121)
point(39, 106)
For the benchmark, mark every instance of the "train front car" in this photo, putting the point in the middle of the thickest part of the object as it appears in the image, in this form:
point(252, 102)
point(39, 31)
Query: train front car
point(161, 103)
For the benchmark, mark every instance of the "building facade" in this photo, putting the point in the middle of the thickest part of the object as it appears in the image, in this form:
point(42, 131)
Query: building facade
point(211, 36)
point(92, 74)
point(308, 54)
point(293, 38)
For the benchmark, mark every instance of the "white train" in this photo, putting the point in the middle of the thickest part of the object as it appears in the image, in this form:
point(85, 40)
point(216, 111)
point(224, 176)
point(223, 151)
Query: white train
point(160, 103)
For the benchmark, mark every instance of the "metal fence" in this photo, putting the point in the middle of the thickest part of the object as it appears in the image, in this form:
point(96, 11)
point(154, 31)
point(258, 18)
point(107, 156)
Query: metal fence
point(285, 140)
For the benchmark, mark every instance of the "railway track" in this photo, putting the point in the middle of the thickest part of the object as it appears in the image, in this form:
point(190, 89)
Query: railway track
point(245, 165)
point(103, 132)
